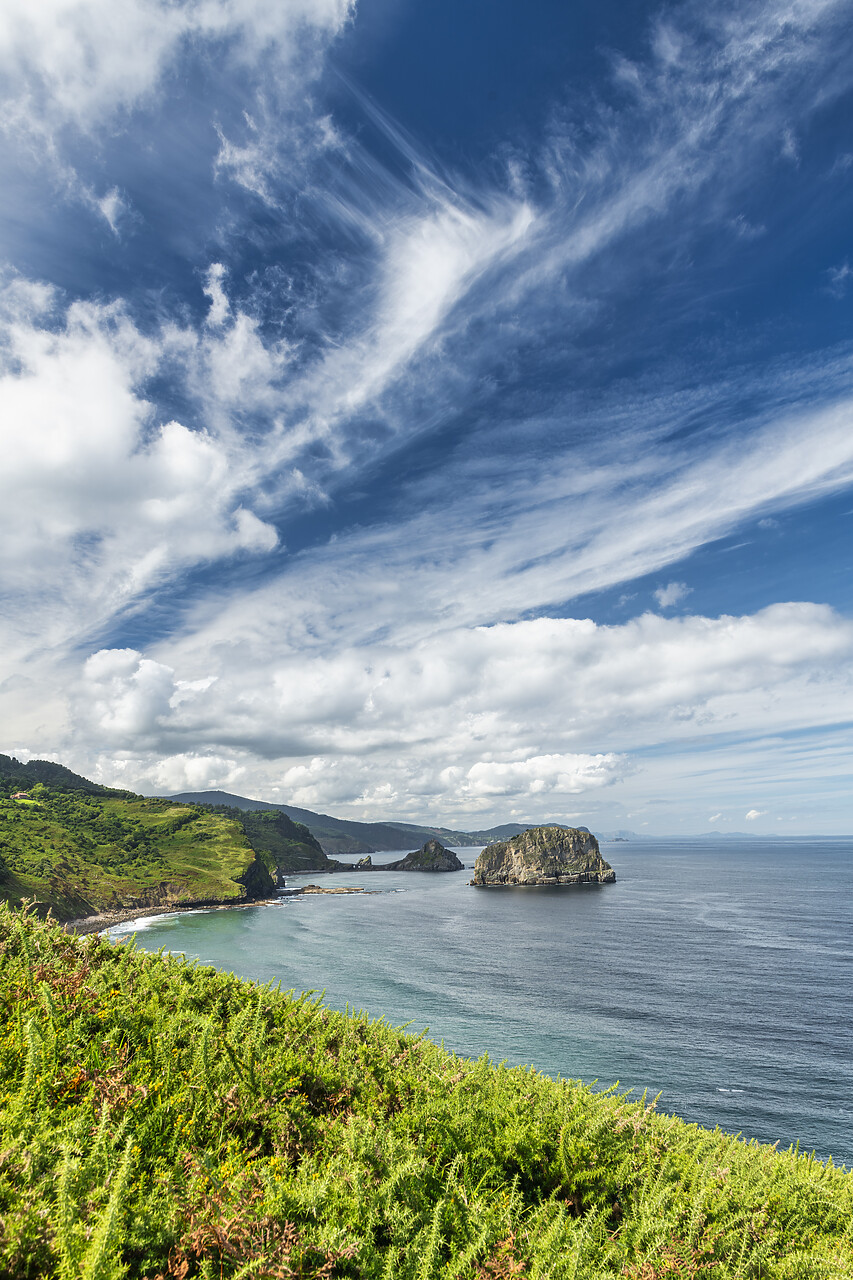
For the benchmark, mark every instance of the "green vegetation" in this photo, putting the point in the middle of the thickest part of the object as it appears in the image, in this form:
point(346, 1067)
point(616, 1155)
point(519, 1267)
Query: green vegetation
point(282, 844)
point(16, 776)
point(83, 851)
point(160, 1119)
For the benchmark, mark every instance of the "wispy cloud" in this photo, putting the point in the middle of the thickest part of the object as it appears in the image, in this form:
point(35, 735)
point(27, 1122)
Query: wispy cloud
point(480, 327)
point(839, 279)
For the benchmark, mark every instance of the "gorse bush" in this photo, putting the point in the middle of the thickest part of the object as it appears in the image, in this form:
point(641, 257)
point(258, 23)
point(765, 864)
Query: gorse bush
point(163, 1119)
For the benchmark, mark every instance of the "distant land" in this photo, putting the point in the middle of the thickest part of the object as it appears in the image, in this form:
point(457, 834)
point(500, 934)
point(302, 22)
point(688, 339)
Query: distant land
point(343, 836)
point(82, 849)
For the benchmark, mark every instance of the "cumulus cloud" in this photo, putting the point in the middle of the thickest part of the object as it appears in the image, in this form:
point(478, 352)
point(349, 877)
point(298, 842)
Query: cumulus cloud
point(566, 774)
point(99, 500)
point(672, 594)
point(755, 813)
point(528, 713)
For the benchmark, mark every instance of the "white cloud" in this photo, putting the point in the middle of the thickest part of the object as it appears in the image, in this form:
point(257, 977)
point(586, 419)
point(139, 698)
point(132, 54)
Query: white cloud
point(469, 720)
point(755, 813)
point(81, 61)
point(715, 817)
point(565, 774)
point(672, 594)
point(98, 500)
point(220, 308)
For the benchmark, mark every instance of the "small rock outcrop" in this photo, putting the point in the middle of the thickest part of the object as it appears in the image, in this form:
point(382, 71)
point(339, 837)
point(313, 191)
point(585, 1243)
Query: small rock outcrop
point(544, 855)
point(430, 857)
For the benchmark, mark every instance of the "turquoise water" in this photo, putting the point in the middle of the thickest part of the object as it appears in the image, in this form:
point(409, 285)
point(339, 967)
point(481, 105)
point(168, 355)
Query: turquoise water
point(719, 977)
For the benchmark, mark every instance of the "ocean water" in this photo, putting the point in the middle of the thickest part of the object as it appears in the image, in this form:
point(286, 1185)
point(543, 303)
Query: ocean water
point(719, 976)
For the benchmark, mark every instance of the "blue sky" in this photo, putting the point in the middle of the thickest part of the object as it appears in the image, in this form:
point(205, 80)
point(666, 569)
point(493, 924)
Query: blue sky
point(441, 412)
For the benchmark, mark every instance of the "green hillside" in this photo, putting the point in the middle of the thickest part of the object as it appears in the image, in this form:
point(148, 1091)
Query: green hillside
point(85, 850)
point(283, 845)
point(158, 1119)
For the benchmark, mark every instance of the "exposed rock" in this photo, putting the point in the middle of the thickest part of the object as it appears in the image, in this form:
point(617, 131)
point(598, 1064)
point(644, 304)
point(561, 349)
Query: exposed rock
point(544, 855)
point(256, 881)
point(430, 857)
point(316, 888)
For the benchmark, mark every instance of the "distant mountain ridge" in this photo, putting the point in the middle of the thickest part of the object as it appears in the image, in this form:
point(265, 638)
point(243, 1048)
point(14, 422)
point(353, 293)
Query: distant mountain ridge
point(346, 836)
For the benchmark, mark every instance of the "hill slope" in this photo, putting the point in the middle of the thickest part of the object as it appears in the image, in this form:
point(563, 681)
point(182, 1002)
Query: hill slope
point(161, 1119)
point(16, 776)
point(284, 846)
point(82, 851)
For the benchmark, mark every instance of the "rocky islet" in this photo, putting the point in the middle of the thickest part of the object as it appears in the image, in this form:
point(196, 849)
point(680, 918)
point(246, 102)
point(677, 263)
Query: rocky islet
point(543, 856)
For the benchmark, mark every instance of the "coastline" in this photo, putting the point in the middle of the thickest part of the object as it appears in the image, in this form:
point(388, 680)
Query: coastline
point(108, 919)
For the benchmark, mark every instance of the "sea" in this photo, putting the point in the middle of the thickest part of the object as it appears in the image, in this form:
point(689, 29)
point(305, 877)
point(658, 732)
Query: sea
point(716, 976)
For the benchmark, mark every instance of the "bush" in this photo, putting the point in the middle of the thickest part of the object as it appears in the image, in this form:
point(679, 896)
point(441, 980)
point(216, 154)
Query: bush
point(164, 1119)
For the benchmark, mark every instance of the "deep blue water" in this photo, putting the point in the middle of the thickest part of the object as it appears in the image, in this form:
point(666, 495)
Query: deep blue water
point(717, 976)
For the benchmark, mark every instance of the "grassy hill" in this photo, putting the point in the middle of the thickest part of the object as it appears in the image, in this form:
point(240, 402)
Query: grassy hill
point(159, 1119)
point(85, 850)
point(283, 845)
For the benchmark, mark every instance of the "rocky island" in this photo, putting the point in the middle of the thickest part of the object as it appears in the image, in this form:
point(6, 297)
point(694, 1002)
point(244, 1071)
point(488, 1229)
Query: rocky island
point(544, 855)
point(431, 856)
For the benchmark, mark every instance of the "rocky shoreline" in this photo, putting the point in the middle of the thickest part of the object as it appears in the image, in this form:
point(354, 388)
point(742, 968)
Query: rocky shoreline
point(109, 919)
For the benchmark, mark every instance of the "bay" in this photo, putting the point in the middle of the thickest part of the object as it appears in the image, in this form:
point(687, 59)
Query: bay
point(716, 974)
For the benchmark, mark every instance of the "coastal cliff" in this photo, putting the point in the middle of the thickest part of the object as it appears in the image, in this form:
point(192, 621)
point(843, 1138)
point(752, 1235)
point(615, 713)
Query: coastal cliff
point(544, 855)
point(80, 850)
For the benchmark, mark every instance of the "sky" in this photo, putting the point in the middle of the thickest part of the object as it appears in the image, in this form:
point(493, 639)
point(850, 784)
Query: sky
point(432, 411)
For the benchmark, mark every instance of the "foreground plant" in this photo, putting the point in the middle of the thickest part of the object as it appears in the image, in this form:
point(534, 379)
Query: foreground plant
point(160, 1119)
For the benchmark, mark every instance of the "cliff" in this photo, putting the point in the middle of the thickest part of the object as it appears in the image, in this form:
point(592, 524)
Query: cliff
point(285, 847)
point(544, 855)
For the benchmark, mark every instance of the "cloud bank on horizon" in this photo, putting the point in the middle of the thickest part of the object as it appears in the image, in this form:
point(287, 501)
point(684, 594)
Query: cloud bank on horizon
point(449, 419)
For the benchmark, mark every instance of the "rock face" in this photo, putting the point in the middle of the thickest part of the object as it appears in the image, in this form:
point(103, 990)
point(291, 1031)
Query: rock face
point(430, 857)
point(544, 855)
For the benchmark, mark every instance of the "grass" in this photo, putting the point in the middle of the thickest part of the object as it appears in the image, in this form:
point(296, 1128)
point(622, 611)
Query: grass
point(78, 853)
point(162, 1119)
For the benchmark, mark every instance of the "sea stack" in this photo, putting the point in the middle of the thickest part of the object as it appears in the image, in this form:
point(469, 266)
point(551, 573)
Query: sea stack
point(544, 855)
point(430, 857)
